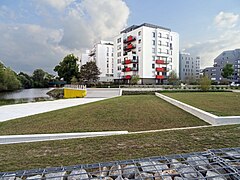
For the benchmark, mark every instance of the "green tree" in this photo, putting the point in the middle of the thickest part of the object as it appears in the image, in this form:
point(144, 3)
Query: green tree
point(67, 68)
point(74, 80)
point(89, 72)
point(8, 79)
point(135, 79)
point(25, 80)
point(173, 78)
point(227, 70)
point(205, 83)
point(40, 78)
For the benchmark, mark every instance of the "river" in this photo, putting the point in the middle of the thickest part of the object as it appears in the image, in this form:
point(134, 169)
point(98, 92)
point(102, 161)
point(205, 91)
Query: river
point(34, 94)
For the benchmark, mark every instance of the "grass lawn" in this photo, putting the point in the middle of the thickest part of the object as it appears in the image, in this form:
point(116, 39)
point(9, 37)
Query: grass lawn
point(7, 102)
point(131, 113)
point(218, 103)
point(103, 149)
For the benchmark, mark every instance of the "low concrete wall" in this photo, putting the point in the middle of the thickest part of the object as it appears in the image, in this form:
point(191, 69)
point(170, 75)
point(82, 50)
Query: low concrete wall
point(208, 117)
point(74, 93)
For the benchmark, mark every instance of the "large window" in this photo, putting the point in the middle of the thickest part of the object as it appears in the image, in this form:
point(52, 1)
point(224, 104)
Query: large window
point(153, 34)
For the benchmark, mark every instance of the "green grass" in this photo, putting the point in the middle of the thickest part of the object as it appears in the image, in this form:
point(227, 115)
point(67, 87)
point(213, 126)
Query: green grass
point(218, 103)
point(131, 113)
point(4, 102)
point(103, 149)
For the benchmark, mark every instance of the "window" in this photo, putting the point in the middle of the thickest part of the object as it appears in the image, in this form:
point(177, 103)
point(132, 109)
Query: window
point(107, 49)
point(118, 40)
point(107, 54)
point(187, 62)
point(118, 47)
point(153, 34)
point(112, 70)
point(139, 33)
point(153, 42)
point(159, 50)
point(118, 54)
point(167, 51)
point(139, 41)
point(153, 66)
point(167, 44)
point(107, 65)
point(153, 58)
point(112, 54)
point(170, 60)
point(107, 60)
point(159, 43)
point(153, 50)
point(167, 36)
point(119, 61)
point(171, 52)
point(171, 38)
point(159, 35)
point(139, 49)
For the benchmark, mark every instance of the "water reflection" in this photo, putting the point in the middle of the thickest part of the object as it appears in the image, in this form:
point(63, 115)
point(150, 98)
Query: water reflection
point(27, 95)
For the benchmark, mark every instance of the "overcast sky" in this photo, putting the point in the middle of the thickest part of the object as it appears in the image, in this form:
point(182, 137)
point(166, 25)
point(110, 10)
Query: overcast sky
point(39, 33)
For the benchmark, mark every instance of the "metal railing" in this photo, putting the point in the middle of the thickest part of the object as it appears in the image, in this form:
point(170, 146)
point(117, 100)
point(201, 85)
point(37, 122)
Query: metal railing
point(211, 164)
point(72, 86)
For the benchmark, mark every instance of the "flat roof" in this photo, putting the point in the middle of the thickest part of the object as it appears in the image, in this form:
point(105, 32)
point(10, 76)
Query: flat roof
point(133, 27)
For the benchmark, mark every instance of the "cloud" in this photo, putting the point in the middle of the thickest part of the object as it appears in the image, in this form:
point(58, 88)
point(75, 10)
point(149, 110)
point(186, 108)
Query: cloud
point(57, 4)
point(226, 20)
point(73, 27)
point(226, 37)
point(93, 20)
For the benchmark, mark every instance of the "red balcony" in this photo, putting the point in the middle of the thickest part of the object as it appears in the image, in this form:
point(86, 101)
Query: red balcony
point(129, 39)
point(129, 47)
point(127, 69)
point(128, 61)
point(159, 77)
point(127, 77)
point(160, 62)
point(160, 69)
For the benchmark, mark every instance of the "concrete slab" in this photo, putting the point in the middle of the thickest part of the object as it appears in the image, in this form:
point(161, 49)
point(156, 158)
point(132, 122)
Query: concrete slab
point(9, 112)
point(103, 92)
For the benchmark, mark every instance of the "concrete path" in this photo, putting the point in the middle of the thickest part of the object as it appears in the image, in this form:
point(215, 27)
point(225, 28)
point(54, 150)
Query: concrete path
point(13, 139)
point(14, 111)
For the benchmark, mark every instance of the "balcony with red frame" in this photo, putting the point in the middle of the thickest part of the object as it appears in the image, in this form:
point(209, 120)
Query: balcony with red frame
point(158, 69)
point(129, 47)
point(161, 62)
point(127, 61)
point(127, 77)
point(127, 69)
point(129, 39)
point(160, 77)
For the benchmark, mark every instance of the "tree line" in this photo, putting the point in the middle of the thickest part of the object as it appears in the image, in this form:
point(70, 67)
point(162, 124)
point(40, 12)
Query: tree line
point(10, 80)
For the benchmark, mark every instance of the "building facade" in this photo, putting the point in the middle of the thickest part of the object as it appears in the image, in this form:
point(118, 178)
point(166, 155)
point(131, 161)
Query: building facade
point(189, 67)
point(147, 50)
point(102, 54)
point(226, 57)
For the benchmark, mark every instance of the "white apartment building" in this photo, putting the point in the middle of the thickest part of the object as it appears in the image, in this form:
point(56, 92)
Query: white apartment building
point(102, 54)
point(189, 67)
point(147, 50)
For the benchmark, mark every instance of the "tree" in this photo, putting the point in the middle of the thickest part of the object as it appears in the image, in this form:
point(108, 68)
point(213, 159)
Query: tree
point(135, 79)
point(205, 83)
point(67, 68)
point(173, 78)
point(227, 70)
point(40, 78)
point(74, 80)
point(26, 80)
point(89, 72)
point(8, 79)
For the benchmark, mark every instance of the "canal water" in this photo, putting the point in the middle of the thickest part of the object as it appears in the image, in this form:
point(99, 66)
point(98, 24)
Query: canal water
point(29, 95)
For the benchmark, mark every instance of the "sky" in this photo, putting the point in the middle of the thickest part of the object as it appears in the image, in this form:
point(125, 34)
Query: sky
point(40, 33)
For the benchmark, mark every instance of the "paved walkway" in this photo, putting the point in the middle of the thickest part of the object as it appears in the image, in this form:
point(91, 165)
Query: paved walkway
point(14, 111)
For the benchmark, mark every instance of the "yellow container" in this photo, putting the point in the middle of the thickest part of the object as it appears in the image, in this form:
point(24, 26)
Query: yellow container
point(74, 93)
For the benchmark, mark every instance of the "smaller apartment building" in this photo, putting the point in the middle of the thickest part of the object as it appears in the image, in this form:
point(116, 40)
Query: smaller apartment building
point(189, 67)
point(147, 50)
point(226, 57)
point(102, 54)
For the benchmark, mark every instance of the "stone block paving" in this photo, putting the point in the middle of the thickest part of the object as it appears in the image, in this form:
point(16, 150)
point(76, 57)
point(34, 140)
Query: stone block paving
point(215, 164)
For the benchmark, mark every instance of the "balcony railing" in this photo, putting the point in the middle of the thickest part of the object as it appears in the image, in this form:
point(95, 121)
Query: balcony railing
point(129, 39)
point(161, 62)
point(129, 61)
point(161, 69)
point(127, 77)
point(127, 69)
point(160, 77)
point(129, 47)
